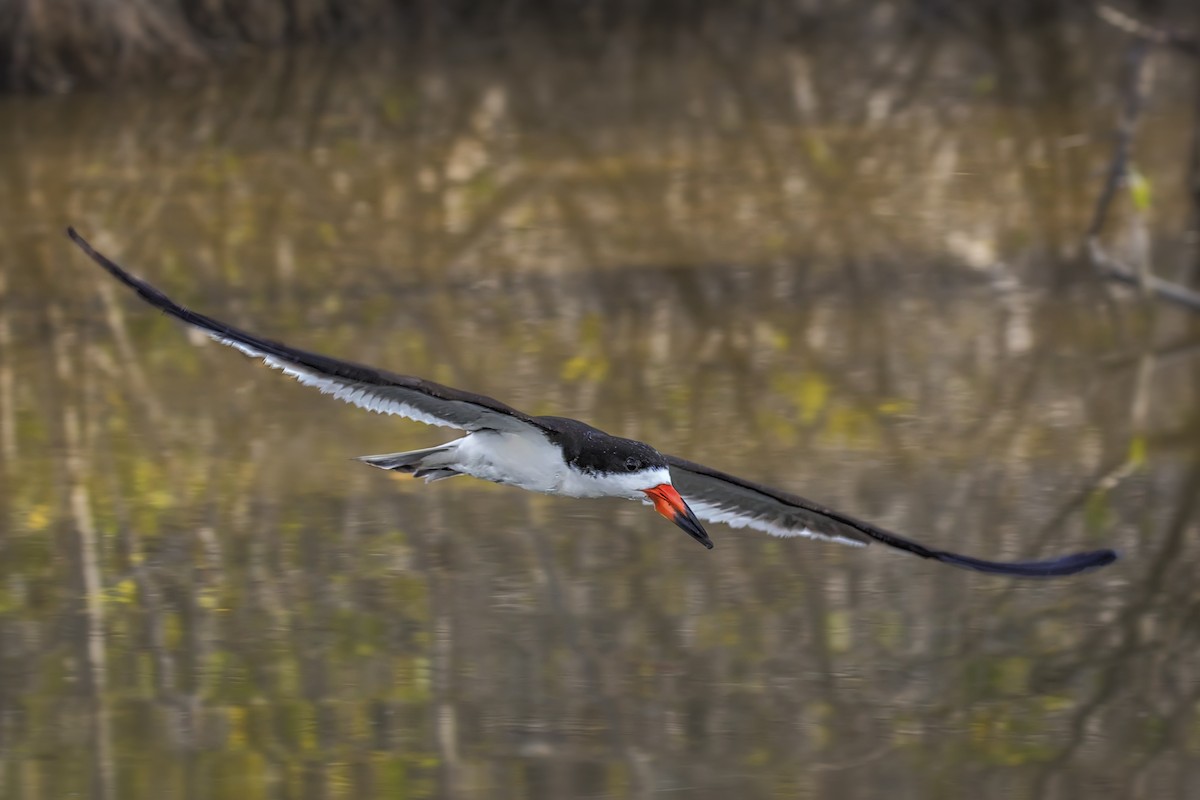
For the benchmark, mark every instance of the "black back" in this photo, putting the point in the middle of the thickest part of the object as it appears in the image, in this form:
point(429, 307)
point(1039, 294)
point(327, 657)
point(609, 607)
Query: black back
point(593, 451)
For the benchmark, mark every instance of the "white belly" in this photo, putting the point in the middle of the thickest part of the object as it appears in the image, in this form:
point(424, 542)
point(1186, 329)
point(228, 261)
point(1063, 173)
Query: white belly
point(528, 461)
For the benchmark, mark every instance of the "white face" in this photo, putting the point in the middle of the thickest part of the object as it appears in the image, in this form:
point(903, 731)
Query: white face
point(629, 485)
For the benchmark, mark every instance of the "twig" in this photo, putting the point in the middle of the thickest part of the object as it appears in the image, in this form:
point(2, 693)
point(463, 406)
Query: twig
point(1180, 42)
point(1112, 269)
point(1105, 265)
point(1187, 44)
point(1118, 167)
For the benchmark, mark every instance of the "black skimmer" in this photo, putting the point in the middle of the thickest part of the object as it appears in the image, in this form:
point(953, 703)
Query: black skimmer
point(561, 456)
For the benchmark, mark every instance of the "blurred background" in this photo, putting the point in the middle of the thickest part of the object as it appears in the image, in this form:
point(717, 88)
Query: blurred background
point(839, 247)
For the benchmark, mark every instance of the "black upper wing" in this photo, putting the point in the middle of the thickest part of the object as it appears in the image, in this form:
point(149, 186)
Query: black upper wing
point(715, 496)
point(364, 386)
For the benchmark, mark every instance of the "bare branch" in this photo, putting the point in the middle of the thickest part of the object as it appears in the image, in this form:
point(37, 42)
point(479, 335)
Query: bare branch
point(1131, 113)
point(1104, 264)
point(1112, 269)
point(1182, 43)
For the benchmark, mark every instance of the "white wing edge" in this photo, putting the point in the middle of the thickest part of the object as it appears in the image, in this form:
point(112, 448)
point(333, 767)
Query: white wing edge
point(736, 518)
point(355, 394)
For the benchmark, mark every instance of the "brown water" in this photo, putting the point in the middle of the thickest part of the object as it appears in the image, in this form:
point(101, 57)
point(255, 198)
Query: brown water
point(849, 277)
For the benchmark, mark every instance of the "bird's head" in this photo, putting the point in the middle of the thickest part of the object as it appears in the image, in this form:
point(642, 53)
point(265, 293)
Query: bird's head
point(649, 479)
point(610, 466)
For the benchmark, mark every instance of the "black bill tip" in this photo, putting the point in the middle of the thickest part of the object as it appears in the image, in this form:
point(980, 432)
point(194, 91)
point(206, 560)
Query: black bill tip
point(687, 520)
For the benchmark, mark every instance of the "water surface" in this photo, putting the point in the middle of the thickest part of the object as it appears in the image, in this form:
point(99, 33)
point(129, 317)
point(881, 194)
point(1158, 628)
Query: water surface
point(850, 278)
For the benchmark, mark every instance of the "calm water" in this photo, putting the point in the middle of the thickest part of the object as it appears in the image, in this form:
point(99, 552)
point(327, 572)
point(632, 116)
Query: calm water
point(852, 279)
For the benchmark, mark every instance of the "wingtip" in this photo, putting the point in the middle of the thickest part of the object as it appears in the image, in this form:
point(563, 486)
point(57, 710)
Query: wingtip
point(1053, 568)
point(1090, 560)
point(80, 242)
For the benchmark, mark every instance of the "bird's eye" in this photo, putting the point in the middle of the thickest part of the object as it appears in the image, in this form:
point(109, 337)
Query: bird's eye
point(631, 464)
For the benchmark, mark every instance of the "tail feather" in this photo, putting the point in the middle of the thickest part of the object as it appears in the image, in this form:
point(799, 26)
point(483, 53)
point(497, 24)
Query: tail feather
point(431, 475)
point(420, 463)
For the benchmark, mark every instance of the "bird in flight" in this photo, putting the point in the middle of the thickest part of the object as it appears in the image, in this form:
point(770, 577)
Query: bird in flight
point(561, 456)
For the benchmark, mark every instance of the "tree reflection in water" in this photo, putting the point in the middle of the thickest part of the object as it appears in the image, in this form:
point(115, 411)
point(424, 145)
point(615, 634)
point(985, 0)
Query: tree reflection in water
point(797, 269)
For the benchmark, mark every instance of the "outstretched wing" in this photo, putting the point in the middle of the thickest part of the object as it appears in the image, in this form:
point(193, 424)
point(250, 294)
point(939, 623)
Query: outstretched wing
point(366, 387)
point(715, 496)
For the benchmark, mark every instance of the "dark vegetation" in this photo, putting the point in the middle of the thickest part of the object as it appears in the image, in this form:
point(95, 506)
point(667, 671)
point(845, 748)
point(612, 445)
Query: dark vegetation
point(54, 45)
